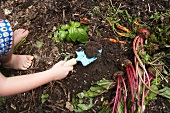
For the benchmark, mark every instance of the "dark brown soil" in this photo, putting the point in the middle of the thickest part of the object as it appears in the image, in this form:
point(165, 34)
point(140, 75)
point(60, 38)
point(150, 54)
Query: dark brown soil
point(91, 49)
point(39, 17)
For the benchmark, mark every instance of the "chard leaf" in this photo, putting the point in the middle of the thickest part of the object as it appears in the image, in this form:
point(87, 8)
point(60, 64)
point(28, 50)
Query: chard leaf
point(87, 94)
point(105, 108)
point(86, 107)
point(145, 57)
point(90, 94)
point(96, 89)
point(151, 95)
point(80, 107)
point(165, 92)
point(120, 108)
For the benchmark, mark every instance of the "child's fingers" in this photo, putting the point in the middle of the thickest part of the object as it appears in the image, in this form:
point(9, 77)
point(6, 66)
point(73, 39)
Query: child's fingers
point(61, 63)
point(70, 68)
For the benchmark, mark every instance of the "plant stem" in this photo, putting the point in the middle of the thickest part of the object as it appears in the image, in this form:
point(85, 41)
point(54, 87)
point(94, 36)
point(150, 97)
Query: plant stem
point(131, 81)
point(125, 97)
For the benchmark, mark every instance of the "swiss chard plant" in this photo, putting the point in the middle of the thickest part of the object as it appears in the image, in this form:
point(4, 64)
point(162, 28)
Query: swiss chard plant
point(73, 32)
point(84, 100)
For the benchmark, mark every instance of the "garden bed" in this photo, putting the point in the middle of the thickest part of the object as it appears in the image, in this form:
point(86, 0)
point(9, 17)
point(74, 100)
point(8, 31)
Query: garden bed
point(40, 17)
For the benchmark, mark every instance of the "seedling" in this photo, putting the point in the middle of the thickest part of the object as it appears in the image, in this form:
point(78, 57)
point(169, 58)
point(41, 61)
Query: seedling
point(44, 98)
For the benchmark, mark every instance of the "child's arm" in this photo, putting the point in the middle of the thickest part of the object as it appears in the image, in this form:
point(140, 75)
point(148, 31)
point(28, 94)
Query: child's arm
point(19, 84)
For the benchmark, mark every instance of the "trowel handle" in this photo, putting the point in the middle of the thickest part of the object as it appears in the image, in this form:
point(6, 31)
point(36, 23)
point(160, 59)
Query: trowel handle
point(70, 62)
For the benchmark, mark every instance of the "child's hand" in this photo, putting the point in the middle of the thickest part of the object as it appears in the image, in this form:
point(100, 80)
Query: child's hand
point(58, 71)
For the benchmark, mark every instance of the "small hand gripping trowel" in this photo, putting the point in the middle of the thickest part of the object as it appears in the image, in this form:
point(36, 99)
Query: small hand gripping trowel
point(81, 56)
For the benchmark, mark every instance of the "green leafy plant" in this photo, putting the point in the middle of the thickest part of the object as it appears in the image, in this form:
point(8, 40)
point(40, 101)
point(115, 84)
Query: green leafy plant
point(85, 98)
point(105, 109)
point(160, 29)
point(70, 32)
point(154, 86)
point(96, 89)
point(165, 92)
point(79, 106)
point(161, 35)
point(157, 15)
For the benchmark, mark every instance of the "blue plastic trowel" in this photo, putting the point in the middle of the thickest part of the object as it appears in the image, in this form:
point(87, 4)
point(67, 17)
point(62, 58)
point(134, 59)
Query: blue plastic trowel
point(81, 56)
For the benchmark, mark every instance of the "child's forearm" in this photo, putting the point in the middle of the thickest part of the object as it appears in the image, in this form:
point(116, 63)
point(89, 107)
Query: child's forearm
point(19, 84)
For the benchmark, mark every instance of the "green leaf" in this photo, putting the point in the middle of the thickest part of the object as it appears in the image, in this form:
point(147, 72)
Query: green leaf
point(91, 94)
point(62, 35)
point(105, 108)
point(151, 95)
point(145, 57)
point(44, 98)
point(165, 92)
point(80, 95)
point(68, 39)
point(96, 89)
point(65, 27)
point(85, 107)
point(129, 18)
point(80, 107)
point(156, 81)
point(73, 33)
point(50, 35)
point(153, 38)
point(104, 83)
point(56, 39)
point(83, 37)
point(75, 24)
point(120, 108)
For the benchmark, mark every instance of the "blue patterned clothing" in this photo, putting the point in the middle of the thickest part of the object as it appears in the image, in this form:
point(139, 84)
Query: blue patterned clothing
point(6, 38)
